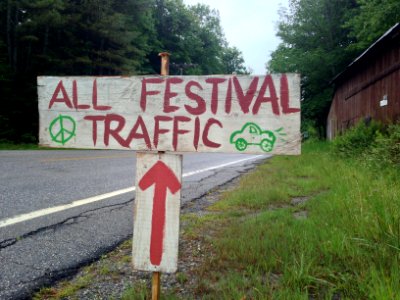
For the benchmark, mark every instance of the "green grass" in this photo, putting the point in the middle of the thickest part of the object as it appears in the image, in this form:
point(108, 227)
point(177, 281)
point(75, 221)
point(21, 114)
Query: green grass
point(142, 291)
point(348, 246)
point(139, 291)
point(66, 289)
point(12, 146)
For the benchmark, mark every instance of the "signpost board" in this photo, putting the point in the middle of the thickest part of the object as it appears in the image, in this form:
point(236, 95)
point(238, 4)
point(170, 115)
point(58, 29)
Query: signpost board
point(231, 114)
point(156, 215)
point(157, 114)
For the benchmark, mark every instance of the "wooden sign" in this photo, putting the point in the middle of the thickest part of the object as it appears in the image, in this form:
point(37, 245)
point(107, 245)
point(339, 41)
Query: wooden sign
point(231, 114)
point(156, 215)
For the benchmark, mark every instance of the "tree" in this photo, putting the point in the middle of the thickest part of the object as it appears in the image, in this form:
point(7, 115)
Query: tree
point(192, 34)
point(212, 40)
point(233, 61)
point(60, 37)
point(371, 18)
point(314, 44)
point(94, 37)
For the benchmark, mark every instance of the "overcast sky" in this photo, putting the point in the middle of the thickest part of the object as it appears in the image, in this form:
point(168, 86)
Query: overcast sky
point(250, 25)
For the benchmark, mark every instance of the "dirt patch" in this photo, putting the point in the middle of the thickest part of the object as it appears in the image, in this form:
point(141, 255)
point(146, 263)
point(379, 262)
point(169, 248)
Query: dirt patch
point(112, 275)
point(302, 214)
point(299, 200)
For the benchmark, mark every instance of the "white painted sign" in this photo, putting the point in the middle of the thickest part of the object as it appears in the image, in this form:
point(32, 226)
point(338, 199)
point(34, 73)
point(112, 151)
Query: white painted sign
point(232, 114)
point(156, 215)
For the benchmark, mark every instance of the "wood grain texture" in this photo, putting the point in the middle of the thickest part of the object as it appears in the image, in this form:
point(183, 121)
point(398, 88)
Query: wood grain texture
point(143, 216)
point(364, 84)
point(171, 113)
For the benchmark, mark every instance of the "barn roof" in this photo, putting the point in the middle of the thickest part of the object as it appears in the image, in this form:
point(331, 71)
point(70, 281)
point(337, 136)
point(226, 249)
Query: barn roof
point(386, 39)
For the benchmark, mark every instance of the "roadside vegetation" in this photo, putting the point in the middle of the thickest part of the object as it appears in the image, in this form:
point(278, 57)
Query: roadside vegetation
point(323, 225)
point(22, 146)
point(12, 146)
point(123, 37)
point(100, 38)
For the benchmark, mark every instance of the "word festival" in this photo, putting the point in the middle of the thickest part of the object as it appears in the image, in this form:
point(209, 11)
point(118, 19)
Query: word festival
point(185, 113)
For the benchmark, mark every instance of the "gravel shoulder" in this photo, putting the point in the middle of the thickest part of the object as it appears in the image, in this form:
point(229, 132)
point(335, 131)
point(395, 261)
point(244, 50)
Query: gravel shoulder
point(112, 277)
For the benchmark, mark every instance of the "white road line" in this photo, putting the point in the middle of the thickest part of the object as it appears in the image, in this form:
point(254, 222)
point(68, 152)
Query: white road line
point(221, 166)
point(55, 209)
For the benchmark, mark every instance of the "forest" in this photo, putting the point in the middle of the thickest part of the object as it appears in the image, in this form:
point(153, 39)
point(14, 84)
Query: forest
point(115, 37)
point(99, 37)
point(319, 39)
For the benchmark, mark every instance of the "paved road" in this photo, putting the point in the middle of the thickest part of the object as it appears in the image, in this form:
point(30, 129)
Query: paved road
point(52, 220)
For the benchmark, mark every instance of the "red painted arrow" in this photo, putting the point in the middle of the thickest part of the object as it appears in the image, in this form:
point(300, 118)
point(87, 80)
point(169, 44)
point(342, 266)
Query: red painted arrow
point(163, 178)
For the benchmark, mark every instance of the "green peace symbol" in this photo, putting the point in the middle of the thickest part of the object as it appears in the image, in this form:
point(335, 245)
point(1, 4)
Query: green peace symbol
point(62, 129)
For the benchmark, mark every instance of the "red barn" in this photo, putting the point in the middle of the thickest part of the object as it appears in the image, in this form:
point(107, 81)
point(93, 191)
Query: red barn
point(369, 88)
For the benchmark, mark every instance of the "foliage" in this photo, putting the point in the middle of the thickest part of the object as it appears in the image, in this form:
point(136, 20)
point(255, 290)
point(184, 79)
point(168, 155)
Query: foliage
point(370, 20)
point(357, 140)
point(91, 37)
point(312, 226)
point(314, 45)
point(373, 145)
point(320, 38)
point(233, 61)
point(386, 150)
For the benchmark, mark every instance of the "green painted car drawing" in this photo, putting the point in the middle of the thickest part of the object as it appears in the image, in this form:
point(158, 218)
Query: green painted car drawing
point(252, 134)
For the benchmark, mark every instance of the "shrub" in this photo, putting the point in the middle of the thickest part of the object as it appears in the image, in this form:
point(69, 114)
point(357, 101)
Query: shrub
point(386, 149)
point(357, 140)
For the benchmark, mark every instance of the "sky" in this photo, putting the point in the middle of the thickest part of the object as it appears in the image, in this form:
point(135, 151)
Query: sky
point(249, 25)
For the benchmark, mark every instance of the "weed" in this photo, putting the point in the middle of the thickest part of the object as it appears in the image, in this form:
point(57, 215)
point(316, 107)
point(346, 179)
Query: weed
point(348, 244)
point(64, 290)
point(348, 247)
point(181, 277)
point(139, 291)
point(45, 293)
point(356, 140)
point(105, 270)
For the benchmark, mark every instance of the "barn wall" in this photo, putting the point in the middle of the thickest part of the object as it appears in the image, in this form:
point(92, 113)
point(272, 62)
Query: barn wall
point(358, 95)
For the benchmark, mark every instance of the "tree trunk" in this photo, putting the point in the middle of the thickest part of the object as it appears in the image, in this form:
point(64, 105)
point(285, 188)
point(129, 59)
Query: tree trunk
point(46, 40)
point(9, 45)
point(15, 39)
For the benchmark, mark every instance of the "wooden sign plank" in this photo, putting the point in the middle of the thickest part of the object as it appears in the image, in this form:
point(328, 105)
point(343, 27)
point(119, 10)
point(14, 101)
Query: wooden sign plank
point(231, 114)
point(156, 214)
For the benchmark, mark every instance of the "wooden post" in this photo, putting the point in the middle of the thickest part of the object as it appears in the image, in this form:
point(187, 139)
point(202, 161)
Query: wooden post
point(155, 284)
point(155, 288)
point(164, 63)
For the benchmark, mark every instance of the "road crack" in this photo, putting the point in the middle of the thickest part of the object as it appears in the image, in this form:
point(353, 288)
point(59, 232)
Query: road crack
point(54, 227)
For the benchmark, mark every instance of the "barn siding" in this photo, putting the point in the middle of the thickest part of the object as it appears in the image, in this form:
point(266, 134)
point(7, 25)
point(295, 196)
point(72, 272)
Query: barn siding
point(359, 91)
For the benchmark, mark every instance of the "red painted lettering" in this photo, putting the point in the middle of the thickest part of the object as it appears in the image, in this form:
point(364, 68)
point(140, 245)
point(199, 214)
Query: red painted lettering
point(228, 99)
point(176, 131)
point(94, 120)
point(214, 94)
point(108, 131)
point(196, 133)
point(201, 103)
point(268, 83)
point(285, 97)
point(168, 94)
point(75, 98)
point(206, 140)
point(245, 99)
point(94, 99)
point(142, 134)
point(145, 92)
point(63, 99)
point(158, 130)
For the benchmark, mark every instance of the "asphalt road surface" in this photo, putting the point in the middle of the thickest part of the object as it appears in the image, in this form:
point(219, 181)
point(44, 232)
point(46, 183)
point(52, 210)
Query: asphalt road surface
point(60, 210)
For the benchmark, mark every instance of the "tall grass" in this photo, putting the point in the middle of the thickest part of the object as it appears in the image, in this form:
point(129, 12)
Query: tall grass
point(347, 247)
